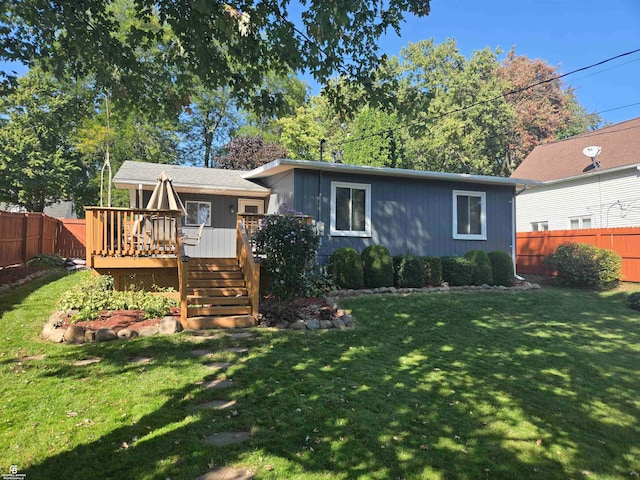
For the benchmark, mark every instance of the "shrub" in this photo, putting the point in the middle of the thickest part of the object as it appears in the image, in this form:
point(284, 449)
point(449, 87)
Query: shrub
point(411, 272)
point(633, 300)
point(317, 283)
point(46, 261)
point(502, 268)
point(95, 293)
point(433, 270)
point(397, 261)
point(456, 270)
point(480, 267)
point(345, 267)
point(289, 245)
point(377, 266)
point(583, 265)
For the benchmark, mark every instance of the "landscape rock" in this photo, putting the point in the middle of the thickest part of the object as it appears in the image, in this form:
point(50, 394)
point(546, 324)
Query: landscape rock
point(338, 323)
point(299, 325)
point(49, 328)
point(313, 324)
point(57, 318)
point(326, 324)
point(74, 335)
point(169, 326)
point(90, 336)
point(127, 333)
point(282, 325)
point(56, 336)
point(347, 320)
point(105, 335)
point(148, 331)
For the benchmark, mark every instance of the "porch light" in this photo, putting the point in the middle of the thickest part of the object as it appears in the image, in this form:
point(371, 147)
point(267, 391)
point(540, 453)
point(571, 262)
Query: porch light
point(232, 209)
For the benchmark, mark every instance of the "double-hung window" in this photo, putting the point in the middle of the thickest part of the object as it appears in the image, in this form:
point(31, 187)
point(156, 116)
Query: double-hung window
point(469, 215)
point(350, 209)
point(198, 213)
point(576, 223)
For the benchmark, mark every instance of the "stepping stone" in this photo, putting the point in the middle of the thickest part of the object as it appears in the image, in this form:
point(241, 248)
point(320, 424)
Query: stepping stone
point(202, 353)
point(241, 335)
point(237, 350)
point(218, 365)
point(140, 360)
point(227, 438)
point(30, 358)
point(217, 404)
point(87, 361)
point(216, 383)
point(226, 473)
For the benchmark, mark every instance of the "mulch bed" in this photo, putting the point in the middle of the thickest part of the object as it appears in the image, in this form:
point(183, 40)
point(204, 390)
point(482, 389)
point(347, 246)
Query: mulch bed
point(9, 275)
point(117, 320)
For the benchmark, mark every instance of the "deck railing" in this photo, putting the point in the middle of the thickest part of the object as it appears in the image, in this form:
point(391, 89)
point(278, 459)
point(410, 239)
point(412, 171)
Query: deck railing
point(253, 221)
point(121, 232)
point(250, 269)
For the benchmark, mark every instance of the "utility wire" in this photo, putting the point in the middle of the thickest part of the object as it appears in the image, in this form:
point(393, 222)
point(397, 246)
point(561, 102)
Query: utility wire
point(482, 102)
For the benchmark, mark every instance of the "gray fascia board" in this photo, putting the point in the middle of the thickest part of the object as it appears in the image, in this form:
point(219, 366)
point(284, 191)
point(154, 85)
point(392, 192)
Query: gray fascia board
point(633, 166)
point(281, 165)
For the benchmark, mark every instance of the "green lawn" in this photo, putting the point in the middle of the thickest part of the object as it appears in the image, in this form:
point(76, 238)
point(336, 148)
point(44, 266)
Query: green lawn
point(504, 385)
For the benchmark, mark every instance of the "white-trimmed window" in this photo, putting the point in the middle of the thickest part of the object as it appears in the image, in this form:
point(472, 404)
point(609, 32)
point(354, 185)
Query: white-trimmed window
point(198, 213)
point(350, 209)
point(539, 226)
point(469, 215)
point(576, 223)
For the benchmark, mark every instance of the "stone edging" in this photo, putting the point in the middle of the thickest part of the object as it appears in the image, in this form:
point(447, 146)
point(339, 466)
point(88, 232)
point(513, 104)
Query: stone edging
point(5, 287)
point(443, 288)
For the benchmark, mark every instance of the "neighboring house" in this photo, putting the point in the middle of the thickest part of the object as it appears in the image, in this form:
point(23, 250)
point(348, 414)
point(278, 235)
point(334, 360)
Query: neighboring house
point(60, 209)
point(577, 192)
point(408, 211)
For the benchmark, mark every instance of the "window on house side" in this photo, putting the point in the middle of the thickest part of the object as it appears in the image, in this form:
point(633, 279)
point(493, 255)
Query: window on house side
point(539, 226)
point(350, 209)
point(576, 223)
point(198, 213)
point(469, 215)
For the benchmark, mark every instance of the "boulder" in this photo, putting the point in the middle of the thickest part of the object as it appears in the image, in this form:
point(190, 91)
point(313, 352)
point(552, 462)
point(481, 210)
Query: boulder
point(313, 324)
point(326, 324)
point(299, 325)
point(89, 336)
point(58, 318)
point(338, 323)
point(74, 335)
point(347, 320)
point(170, 325)
point(56, 335)
point(105, 335)
point(49, 328)
point(127, 333)
point(148, 331)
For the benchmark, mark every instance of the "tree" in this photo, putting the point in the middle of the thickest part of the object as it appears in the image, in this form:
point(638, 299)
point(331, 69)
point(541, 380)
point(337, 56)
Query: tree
point(249, 152)
point(138, 47)
point(543, 114)
point(37, 157)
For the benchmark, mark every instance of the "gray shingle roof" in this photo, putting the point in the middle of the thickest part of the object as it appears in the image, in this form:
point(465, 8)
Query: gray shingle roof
point(187, 179)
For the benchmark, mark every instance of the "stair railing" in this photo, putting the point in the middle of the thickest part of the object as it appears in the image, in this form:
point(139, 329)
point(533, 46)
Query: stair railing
point(250, 269)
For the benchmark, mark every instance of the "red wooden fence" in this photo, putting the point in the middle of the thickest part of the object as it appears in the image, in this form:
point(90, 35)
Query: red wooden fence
point(26, 235)
point(533, 247)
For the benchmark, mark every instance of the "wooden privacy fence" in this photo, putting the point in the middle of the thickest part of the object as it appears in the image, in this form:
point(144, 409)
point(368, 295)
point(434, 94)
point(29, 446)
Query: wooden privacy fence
point(26, 235)
point(72, 234)
point(533, 247)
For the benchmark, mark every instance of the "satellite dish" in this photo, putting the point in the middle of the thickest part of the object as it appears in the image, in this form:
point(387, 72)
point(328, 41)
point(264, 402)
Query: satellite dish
point(592, 151)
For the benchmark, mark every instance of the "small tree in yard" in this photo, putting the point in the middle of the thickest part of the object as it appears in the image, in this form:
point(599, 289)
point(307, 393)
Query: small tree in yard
point(289, 245)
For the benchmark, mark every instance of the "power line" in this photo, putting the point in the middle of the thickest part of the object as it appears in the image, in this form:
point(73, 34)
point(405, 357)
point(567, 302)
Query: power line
point(482, 102)
point(617, 108)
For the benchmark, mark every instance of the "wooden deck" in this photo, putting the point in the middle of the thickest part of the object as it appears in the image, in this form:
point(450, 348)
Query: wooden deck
point(142, 249)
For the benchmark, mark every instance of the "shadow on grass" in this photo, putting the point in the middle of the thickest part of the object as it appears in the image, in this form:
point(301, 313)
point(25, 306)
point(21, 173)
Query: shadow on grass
point(478, 385)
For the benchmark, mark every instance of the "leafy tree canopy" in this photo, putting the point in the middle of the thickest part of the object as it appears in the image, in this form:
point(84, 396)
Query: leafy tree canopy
point(131, 48)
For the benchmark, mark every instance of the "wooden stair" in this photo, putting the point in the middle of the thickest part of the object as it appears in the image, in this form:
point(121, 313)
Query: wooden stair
point(217, 295)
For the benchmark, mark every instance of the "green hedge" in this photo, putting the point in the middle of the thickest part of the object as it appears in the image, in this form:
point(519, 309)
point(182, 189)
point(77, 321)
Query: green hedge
point(502, 268)
point(345, 267)
point(410, 272)
point(480, 267)
point(457, 271)
point(583, 265)
point(377, 266)
point(433, 271)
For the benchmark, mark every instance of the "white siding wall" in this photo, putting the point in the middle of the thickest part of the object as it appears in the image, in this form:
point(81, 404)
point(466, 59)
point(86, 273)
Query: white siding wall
point(610, 199)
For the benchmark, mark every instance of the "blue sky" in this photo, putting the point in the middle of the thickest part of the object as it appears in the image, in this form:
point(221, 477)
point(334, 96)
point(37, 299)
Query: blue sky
point(569, 34)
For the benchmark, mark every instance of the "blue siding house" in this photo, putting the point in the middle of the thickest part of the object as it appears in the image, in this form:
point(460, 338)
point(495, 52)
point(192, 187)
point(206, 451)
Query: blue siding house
point(408, 211)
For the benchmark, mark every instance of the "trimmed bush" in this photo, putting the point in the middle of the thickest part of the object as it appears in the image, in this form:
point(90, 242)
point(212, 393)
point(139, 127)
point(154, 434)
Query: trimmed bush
point(480, 267)
point(345, 267)
point(377, 266)
point(433, 271)
point(397, 261)
point(583, 265)
point(457, 271)
point(633, 300)
point(502, 268)
point(411, 272)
